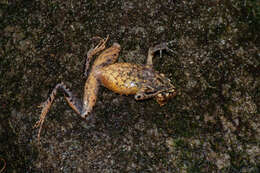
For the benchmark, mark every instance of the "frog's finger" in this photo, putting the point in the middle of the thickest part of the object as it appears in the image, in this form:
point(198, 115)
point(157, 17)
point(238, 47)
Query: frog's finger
point(172, 51)
point(169, 43)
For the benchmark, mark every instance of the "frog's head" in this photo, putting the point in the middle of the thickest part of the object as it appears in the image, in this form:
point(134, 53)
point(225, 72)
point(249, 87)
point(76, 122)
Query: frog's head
point(158, 87)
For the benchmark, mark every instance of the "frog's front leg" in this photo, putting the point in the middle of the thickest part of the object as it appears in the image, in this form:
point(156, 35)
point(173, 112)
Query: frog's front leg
point(158, 47)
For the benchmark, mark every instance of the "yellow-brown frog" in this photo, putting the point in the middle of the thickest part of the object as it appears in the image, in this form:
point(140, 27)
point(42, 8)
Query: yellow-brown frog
point(124, 78)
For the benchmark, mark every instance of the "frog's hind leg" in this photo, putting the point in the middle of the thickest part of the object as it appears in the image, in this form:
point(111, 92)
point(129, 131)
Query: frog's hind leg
point(107, 57)
point(93, 51)
point(74, 103)
point(158, 47)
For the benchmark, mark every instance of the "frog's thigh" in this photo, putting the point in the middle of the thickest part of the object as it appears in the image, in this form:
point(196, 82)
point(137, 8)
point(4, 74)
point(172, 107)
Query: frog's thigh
point(90, 95)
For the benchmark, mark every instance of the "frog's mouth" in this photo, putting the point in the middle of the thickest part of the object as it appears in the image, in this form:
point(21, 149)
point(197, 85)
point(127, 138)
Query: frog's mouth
point(163, 97)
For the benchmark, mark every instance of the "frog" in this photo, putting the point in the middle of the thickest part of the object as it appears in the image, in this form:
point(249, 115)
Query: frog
point(124, 78)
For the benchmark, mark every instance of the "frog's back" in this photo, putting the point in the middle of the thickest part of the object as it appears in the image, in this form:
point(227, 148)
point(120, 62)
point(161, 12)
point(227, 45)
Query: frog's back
point(125, 78)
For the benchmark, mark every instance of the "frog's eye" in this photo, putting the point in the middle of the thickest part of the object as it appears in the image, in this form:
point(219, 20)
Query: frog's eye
point(139, 97)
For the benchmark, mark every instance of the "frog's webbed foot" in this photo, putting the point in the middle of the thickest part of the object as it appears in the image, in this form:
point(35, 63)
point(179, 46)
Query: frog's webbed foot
point(93, 51)
point(74, 103)
point(159, 47)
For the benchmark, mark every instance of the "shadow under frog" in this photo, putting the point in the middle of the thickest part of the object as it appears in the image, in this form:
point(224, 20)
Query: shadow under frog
point(142, 81)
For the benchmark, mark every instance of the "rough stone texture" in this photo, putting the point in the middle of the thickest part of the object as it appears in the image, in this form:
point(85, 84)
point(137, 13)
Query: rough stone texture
point(212, 125)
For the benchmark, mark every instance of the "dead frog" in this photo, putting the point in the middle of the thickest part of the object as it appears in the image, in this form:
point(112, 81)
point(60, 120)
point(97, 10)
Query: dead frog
point(142, 81)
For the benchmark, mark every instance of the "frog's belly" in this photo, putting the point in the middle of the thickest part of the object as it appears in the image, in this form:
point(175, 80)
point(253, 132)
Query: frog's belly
point(121, 78)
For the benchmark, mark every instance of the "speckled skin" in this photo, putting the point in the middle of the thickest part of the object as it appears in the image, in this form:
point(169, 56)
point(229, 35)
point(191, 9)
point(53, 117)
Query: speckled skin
point(127, 78)
point(122, 78)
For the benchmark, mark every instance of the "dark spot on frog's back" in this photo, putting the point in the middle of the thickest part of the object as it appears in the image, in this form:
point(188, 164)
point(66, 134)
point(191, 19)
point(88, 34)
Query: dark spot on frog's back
point(129, 73)
point(159, 80)
point(146, 73)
